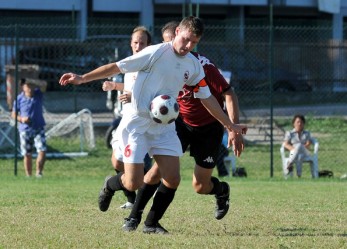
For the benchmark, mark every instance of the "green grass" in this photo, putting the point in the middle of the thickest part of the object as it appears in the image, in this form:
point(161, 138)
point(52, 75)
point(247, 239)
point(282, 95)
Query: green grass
point(61, 211)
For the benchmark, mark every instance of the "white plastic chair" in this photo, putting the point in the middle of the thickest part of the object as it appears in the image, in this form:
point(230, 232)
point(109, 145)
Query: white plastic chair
point(313, 160)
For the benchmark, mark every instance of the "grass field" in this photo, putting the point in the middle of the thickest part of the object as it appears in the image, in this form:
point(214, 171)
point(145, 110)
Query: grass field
point(61, 211)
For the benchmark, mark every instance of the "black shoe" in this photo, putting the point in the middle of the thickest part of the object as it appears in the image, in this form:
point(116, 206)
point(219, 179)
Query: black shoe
point(157, 228)
point(130, 224)
point(222, 202)
point(105, 196)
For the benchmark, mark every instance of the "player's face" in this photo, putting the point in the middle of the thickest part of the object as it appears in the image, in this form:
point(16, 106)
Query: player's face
point(299, 124)
point(138, 42)
point(185, 41)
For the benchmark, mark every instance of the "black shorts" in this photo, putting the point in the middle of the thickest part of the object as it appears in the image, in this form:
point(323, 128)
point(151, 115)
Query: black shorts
point(204, 141)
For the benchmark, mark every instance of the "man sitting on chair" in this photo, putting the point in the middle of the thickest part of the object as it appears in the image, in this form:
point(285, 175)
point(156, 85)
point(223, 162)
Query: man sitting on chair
point(297, 141)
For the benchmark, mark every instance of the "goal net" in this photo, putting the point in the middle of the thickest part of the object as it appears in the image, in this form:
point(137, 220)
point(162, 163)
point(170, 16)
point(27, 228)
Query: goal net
point(75, 132)
point(78, 127)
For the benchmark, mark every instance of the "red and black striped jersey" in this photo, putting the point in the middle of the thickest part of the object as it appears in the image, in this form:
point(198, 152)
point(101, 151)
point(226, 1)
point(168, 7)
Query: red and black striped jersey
point(191, 109)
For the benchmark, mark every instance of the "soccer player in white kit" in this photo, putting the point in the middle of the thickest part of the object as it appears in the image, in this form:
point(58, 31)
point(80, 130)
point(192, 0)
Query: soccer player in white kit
point(162, 69)
point(140, 38)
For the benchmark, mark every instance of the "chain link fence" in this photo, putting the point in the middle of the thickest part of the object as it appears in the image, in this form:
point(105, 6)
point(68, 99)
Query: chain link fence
point(276, 72)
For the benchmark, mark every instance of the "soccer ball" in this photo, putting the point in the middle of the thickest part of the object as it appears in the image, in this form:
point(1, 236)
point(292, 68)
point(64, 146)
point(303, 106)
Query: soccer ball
point(164, 109)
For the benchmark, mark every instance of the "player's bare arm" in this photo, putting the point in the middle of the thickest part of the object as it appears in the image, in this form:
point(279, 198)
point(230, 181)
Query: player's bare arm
point(232, 106)
point(102, 72)
point(211, 104)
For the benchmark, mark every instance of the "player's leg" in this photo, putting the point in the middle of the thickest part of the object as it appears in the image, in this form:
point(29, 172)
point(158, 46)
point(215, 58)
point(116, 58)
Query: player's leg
point(169, 169)
point(202, 183)
point(144, 194)
point(132, 177)
point(166, 150)
point(130, 195)
point(205, 147)
point(118, 165)
point(205, 150)
point(130, 180)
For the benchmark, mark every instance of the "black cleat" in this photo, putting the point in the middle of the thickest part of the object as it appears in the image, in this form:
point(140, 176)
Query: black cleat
point(130, 224)
point(157, 228)
point(222, 202)
point(105, 196)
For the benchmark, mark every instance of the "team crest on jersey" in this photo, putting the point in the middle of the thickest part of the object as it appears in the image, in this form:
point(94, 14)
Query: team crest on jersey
point(186, 76)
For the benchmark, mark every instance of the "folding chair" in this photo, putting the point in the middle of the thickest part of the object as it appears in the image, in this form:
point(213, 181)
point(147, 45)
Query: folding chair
point(313, 160)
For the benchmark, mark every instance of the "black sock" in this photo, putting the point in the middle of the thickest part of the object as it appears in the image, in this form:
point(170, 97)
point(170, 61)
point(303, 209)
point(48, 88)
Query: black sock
point(161, 202)
point(115, 183)
point(144, 194)
point(217, 187)
point(131, 195)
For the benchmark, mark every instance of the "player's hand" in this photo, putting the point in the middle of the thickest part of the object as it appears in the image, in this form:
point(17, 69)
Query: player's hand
point(25, 120)
point(70, 78)
point(125, 97)
point(108, 86)
point(236, 140)
point(238, 128)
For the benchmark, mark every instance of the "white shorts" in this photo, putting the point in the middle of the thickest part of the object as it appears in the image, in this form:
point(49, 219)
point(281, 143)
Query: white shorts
point(133, 146)
point(116, 146)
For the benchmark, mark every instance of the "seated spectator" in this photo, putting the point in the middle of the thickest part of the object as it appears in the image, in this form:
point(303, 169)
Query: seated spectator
point(297, 141)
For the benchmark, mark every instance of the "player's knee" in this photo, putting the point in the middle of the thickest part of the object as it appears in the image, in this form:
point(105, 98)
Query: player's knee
point(176, 181)
point(152, 177)
point(133, 185)
point(172, 181)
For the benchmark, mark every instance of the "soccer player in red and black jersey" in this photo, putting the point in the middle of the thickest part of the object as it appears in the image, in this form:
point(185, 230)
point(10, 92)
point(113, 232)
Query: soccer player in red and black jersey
point(197, 128)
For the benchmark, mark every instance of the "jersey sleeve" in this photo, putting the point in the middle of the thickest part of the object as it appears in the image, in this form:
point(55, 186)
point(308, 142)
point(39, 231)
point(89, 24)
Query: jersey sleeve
point(201, 90)
point(137, 62)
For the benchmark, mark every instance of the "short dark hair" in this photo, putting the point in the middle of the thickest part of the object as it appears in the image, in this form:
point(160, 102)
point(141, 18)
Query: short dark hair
point(301, 117)
point(193, 24)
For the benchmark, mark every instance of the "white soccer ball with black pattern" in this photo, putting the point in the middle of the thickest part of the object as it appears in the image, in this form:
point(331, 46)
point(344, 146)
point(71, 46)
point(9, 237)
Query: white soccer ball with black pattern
point(164, 109)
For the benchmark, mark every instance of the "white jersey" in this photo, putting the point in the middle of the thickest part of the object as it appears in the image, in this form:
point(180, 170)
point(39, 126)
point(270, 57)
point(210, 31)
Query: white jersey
point(160, 71)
